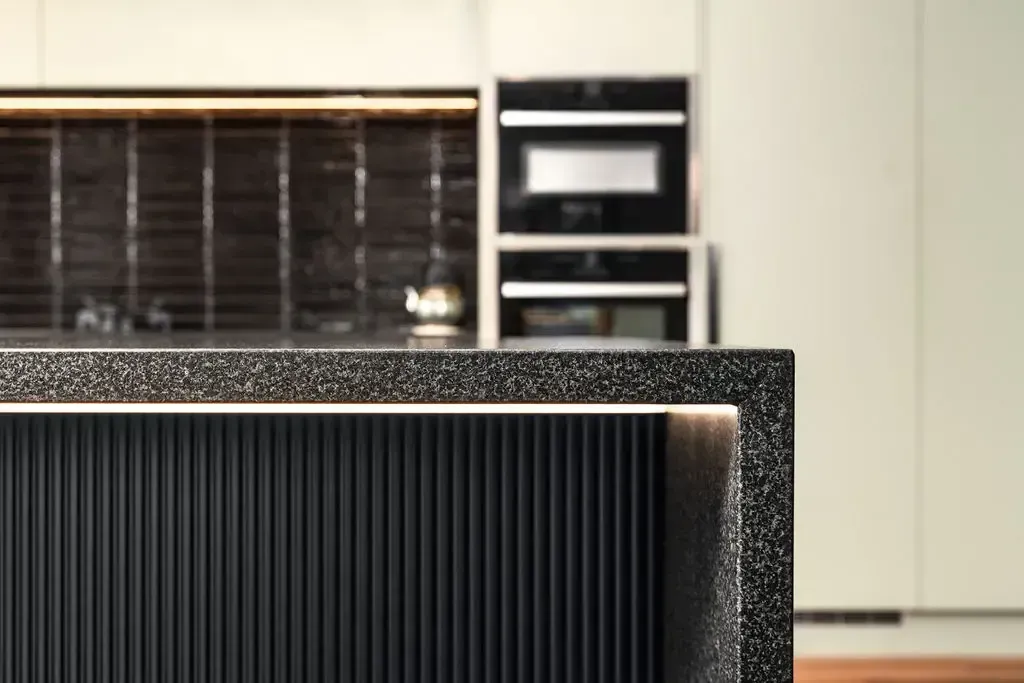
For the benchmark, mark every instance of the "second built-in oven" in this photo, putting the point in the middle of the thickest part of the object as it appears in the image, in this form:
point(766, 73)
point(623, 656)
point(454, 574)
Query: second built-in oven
point(593, 157)
point(594, 293)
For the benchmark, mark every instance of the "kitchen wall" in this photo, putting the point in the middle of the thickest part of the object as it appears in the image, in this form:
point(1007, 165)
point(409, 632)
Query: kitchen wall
point(255, 223)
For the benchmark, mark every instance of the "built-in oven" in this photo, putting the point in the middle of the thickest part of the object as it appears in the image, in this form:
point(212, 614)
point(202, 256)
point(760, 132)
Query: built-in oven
point(593, 157)
point(595, 293)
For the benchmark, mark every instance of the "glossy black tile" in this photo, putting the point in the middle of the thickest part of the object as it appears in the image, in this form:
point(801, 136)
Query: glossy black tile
point(25, 247)
point(264, 223)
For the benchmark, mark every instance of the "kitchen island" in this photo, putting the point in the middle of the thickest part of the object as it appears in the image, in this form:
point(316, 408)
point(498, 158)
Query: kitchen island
point(352, 509)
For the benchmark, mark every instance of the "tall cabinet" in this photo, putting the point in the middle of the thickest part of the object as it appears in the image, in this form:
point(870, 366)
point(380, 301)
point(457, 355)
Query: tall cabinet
point(973, 304)
point(566, 38)
point(809, 139)
point(19, 43)
point(218, 43)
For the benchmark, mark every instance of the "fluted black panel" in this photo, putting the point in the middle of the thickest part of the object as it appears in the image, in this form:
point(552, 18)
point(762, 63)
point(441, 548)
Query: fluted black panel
point(446, 549)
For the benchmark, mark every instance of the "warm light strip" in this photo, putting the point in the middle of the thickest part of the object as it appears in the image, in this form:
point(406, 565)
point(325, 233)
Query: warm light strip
point(350, 408)
point(236, 104)
point(722, 410)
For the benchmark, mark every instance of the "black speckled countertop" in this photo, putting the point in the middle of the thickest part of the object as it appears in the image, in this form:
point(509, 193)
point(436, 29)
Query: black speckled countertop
point(750, 527)
point(318, 369)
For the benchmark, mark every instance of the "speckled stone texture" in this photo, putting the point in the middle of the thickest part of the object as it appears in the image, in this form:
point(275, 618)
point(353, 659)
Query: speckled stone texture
point(734, 556)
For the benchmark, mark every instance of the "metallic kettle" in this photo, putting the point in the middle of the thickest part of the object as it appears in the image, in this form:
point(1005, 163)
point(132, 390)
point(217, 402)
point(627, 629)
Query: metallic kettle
point(440, 300)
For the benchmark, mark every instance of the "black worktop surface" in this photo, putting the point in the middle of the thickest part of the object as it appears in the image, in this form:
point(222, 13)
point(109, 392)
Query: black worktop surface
point(313, 341)
point(382, 369)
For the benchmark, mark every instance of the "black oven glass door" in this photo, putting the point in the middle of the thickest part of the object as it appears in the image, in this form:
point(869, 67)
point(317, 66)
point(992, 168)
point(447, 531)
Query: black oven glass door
point(655, 318)
point(600, 179)
point(598, 293)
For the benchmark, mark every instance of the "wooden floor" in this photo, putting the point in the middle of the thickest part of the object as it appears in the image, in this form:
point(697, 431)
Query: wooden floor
point(908, 670)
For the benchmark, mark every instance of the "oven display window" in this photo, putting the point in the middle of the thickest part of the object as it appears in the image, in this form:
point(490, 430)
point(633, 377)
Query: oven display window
point(591, 169)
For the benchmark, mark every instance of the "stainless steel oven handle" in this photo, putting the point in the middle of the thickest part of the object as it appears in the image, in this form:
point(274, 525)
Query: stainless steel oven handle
point(514, 118)
point(593, 290)
point(631, 242)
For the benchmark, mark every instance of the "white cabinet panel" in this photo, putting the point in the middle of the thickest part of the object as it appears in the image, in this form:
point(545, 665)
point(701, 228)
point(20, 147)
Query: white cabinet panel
point(218, 43)
point(973, 301)
point(19, 43)
point(554, 38)
point(810, 193)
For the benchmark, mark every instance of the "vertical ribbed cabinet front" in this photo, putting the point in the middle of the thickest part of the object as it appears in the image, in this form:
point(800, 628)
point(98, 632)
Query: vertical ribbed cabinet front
point(363, 548)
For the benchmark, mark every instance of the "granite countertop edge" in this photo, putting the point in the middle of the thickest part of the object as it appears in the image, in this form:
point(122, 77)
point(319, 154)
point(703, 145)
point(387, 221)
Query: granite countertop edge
point(654, 374)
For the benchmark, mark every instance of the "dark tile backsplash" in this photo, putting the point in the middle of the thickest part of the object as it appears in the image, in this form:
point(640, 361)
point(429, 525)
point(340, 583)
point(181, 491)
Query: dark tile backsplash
point(248, 223)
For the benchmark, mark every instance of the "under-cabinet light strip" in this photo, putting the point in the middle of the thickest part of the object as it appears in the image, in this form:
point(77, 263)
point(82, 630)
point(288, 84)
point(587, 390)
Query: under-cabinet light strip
point(368, 408)
point(60, 104)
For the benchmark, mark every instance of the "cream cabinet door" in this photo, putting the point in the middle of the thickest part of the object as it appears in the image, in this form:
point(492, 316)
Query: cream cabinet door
point(224, 44)
point(973, 296)
point(19, 44)
point(552, 38)
point(809, 131)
